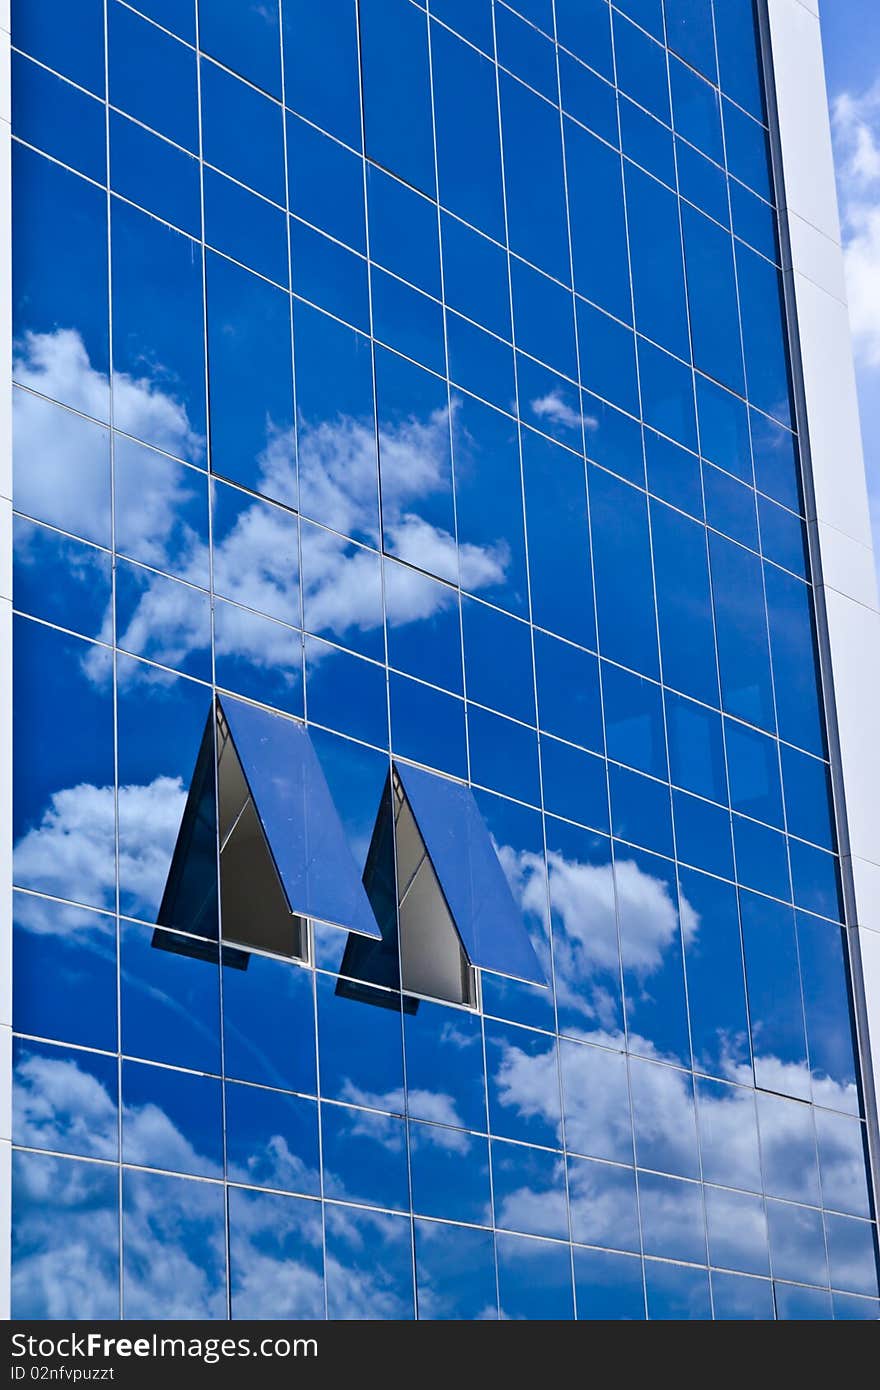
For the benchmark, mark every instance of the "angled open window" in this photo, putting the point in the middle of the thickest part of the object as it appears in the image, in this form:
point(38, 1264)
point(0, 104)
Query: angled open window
point(456, 910)
point(284, 856)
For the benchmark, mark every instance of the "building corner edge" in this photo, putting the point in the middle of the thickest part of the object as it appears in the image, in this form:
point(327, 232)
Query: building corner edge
point(836, 496)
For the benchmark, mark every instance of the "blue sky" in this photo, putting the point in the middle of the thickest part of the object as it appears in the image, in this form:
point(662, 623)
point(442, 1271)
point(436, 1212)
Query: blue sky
point(851, 31)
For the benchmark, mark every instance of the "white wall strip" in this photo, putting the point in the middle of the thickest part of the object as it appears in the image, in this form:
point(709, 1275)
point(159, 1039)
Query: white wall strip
point(837, 496)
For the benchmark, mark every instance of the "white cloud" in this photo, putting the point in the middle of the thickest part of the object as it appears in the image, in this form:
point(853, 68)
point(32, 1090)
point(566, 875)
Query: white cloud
point(856, 125)
point(553, 408)
point(61, 1107)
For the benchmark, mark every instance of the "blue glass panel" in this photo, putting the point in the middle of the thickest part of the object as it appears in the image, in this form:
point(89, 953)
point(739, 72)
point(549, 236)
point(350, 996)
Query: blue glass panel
point(728, 1127)
point(673, 1224)
point(55, 778)
point(689, 32)
point(526, 52)
point(149, 171)
point(498, 660)
point(712, 298)
point(568, 692)
point(470, 875)
point(624, 582)
point(444, 1066)
point(364, 1157)
point(724, 429)
point(640, 809)
point(397, 91)
point(543, 318)
point(418, 512)
point(792, 644)
point(754, 220)
point(797, 1243)
point(503, 755)
point(684, 610)
point(475, 275)
point(647, 141)
point(596, 1100)
point(549, 403)
point(607, 359)
point(64, 1099)
point(480, 362)
point(667, 388)
point(326, 183)
point(741, 624)
point(258, 658)
point(574, 784)
point(158, 335)
point(696, 110)
point(753, 766)
point(614, 440)
point(245, 38)
point(67, 992)
point(748, 151)
point(404, 234)
point(852, 1254)
point(842, 1162)
point(255, 557)
point(171, 1120)
point(300, 822)
point(586, 958)
point(424, 629)
point(329, 275)
point(556, 511)
point(534, 1279)
point(657, 266)
point(529, 1190)
point(584, 26)
point(179, 634)
point(60, 289)
point(455, 1272)
point(603, 1203)
point(61, 1209)
point(470, 18)
point(179, 17)
point(245, 227)
point(777, 461)
point(590, 100)
point(254, 1047)
point(346, 693)
point(634, 728)
point(250, 381)
point(170, 1222)
point(737, 1298)
point(696, 748)
point(369, 1265)
point(608, 1287)
point(774, 996)
point(664, 1120)
point(702, 182)
point(640, 63)
point(850, 1307)
point(716, 983)
point(58, 118)
point(730, 506)
point(788, 1149)
point(534, 179)
point(59, 579)
point(761, 311)
point(468, 144)
point(428, 726)
point(825, 980)
point(169, 998)
point(807, 797)
point(703, 835)
point(276, 1256)
point(161, 512)
point(815, 880)
point(489, 504)
point(242, 132)
point(651, 951)
point(71, 42)
point(522, 1073)
point(737, 1231)
point(761, 859)
point(326, 93)
point(450, 1174)
point(738, 54)
point(598, 232)
point(152, 76)
point(782, 537)
point(677, 1293)
point(799, 1304)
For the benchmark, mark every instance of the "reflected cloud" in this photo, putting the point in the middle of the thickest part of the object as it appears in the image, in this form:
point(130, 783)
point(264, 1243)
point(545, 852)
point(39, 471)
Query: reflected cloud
point(65, 1239)
point(57, 365)
point(62, 1107)
point(553, 408)
point(276, 1257)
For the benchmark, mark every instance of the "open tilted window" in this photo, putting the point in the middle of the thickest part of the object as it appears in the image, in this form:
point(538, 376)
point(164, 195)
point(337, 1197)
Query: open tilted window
point(284, 856)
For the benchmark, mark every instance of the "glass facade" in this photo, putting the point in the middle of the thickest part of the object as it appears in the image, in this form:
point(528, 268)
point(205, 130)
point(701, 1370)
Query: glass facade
point(418, 381)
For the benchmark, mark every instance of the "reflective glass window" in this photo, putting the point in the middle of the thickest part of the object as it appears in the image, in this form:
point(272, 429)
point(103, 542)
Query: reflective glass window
point(651, 952)
point(364, 1156)
point(624, 581)
point(245, 38)
point(72, 44)
point(657, 266)
point(245, 227)
point(50, 987)
point(608, 1286)
point(689, 32)
point(598, 241)
point(534, 1279)
point(728, 1125)
point(155, 174)
point(716, 983)
point(673, 1222)
point(492, 551)
point(152, 76)
point(516, 1060)
point(737, 1231)
point(528, 1187)
point(498, 660)
point(534, 179)
point(59, 579)
point(468, 142)
point(558, 539)
point(455, 1272)
point(788, 1150)
point(368, 1264)
point(326, 93)
point(775, 1001)
point(676, 1292)
point(58, 118)
point(584, 26)
point(602, 1199)
point(254, 1048)
point(741, 627)
point(278, 1240)
point(171, 1120)
point(64, 1099)
point(172, 1222)
point(736, 1297)
point(242, 132)
point(634, 729)
point(170, 998)
point(568, 691)
point(684, 605)
point(397, 92)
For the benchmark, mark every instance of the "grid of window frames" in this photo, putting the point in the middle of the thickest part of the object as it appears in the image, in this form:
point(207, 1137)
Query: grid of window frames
point(421, 374)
